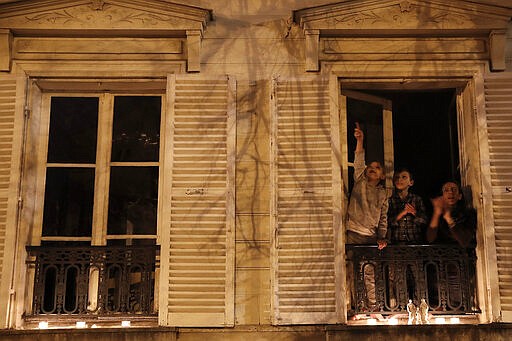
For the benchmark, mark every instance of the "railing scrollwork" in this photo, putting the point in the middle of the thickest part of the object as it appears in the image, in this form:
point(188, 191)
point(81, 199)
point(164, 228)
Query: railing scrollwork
point(93, 280)
point(444, 275)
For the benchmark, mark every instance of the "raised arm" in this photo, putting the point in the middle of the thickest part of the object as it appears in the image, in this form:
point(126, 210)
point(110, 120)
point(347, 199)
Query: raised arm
point(358, 134)
point(359, 164)
point(438, 206)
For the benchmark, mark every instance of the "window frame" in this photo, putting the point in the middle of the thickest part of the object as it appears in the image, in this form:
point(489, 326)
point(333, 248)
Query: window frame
point(102, 166)
point(387, 132)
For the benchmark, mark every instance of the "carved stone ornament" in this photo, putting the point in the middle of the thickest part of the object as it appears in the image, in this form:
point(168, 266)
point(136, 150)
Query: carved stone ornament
point(405, 6)
point(108, 15)
point(408, 18)
point(97, 5)
point(403, 14)
point(100, 14)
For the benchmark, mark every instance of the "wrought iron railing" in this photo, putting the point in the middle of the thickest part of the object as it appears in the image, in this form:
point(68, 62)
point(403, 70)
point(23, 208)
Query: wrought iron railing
point(443, 275)
point(93, 280)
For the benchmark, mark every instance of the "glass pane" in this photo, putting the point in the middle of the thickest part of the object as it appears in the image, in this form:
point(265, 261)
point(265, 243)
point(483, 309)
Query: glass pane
point(73, 129)
point(133, 200)
point(369, 116)
point(136, 130)
point(68, 202)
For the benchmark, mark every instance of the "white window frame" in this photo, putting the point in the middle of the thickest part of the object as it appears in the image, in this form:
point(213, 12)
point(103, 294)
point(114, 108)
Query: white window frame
point(102, 168)
point(99, 236)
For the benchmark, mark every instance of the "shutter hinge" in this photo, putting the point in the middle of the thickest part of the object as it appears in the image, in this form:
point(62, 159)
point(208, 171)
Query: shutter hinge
point(26, 112)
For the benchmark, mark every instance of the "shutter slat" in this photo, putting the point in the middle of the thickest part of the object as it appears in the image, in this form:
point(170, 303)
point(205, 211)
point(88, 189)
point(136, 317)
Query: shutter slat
point(304, 253)
point(199, 269)
point(498, 97)
point(12, 95)
point(7, 113)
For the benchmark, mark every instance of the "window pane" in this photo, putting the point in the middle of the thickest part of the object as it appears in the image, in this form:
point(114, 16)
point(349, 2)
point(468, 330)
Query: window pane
point(136, 131)
point(73, 129)
point(369, 116)
point(68, 202)
point(133, 200)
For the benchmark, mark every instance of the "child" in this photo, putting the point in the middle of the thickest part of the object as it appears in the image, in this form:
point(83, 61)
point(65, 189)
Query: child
point(367, 211)
point(407, 220)
point(407, 216)
point(368, 206)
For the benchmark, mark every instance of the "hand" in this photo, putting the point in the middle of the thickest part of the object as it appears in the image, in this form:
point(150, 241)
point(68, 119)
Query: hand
point(409, 208)
point(439, 206)
point(448, 217)
point(382, 244)
point(358, 133)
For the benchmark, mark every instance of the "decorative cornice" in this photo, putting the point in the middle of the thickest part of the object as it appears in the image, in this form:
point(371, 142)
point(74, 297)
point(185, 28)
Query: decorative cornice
point(102, 15)
point(399, 16)
point(404, 18)
point(100, 18)
point(404, 14)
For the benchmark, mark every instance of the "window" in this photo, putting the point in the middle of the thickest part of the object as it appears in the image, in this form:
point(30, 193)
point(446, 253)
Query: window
point(99, 181)
point(420, 134)
point(374, 115)
point(102, 167)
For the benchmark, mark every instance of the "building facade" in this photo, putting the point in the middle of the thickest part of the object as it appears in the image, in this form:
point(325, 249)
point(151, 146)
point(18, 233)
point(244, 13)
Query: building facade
point(215, 138)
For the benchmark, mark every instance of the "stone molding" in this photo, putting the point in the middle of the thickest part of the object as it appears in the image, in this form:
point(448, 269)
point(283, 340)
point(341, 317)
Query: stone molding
point(106, 18)
point(497, 43)
point(102, 15)
point(5, 49)
point(425, 18)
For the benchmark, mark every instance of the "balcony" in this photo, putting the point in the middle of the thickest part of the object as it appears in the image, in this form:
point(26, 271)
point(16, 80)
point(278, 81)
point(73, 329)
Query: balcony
point(443, 275)
point(93, 282)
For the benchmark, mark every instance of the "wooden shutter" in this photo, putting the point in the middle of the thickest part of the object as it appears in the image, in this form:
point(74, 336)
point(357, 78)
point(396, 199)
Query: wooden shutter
point(198, 243)
point(306, 199)
point(12, 94)
point(498, 103)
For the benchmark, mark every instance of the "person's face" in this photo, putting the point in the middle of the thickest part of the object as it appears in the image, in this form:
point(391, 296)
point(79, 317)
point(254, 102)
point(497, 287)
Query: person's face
point(402, 181)
point(451, 193)
point(374, 171)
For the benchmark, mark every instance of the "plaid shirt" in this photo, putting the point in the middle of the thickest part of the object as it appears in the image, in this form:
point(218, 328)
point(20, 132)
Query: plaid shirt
point(410, 229)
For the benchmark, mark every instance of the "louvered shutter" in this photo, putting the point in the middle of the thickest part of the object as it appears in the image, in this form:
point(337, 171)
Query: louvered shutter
point(198, 249)
point(306, 199)
point(12, 94)
point(498, 103)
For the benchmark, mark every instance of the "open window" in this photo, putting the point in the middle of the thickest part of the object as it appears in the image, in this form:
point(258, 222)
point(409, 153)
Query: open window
point(425, 133)
point(374, 115)
point(414, 129)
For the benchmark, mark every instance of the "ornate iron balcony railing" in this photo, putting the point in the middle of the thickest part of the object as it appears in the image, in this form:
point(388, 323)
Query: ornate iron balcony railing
point(93, 280)
point(444, 275)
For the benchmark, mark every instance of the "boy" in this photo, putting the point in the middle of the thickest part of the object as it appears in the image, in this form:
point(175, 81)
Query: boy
point(368, 206)
point(407, 216)
point(407, 220)
point(367, 211)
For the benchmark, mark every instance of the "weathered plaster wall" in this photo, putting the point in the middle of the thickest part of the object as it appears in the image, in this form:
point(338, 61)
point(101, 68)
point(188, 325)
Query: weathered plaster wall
point(252, 288)
point(254, 41)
